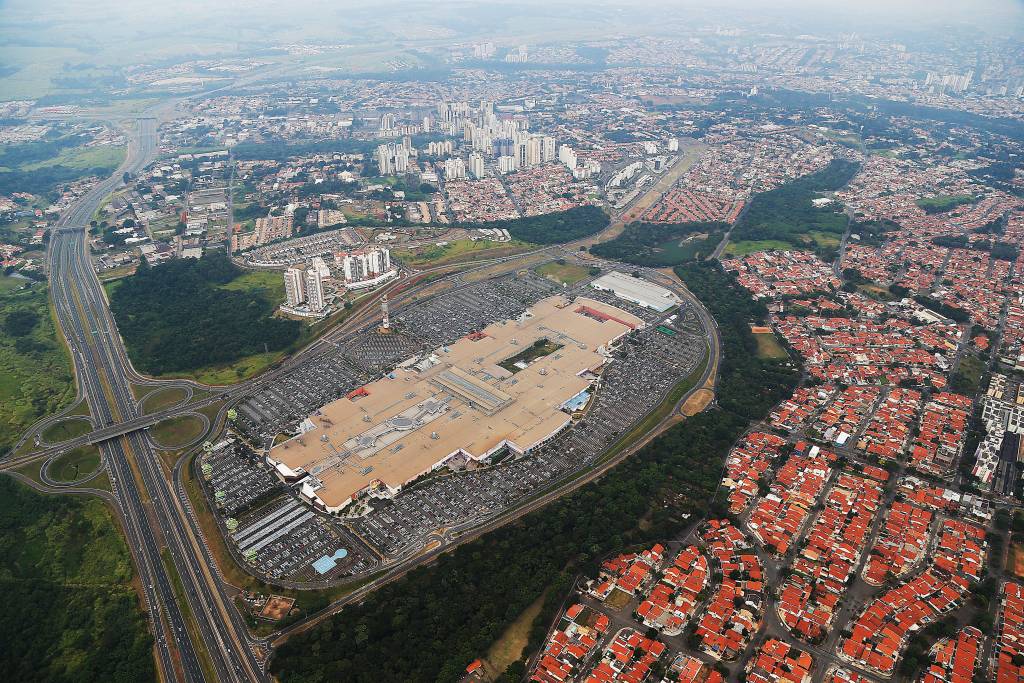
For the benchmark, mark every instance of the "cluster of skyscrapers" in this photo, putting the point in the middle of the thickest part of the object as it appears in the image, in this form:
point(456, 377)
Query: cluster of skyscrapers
point(507, 140)
point(363, 267)
point(304, 289)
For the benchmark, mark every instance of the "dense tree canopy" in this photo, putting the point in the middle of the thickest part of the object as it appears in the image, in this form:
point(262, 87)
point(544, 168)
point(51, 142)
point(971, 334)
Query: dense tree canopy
point(430, 624)
point(69, 612)
point(662, 244)
point(21, 322)
point(176, 317)
point(787, 212)
point(554, 228)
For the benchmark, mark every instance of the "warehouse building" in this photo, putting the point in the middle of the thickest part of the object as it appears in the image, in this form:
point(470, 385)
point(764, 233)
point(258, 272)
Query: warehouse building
point(637, 291)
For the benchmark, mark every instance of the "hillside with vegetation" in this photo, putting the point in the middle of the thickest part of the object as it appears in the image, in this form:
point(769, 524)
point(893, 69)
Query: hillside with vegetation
point(184, 315)
point(35, 369)
point(41, 166)
point(431, 623)
point(70, 612)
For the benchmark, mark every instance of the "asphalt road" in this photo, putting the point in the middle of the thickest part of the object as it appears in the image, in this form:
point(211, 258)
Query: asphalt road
point(153, 515)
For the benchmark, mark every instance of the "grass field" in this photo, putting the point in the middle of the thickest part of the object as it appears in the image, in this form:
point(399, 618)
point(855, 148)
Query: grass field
point(967, 378)
point(744, 247)
point(75, 464)
point(944, 202)
point(268, 283)
point(1015, 560)
point(680, 251)
point(66, 429)
point(82, 158)
point(768, 346)
point(567, 273)
point(81, 409)
point(825, 240)
point(35, 370)
point(229, 373)
point(509, 646)
point(177, 431)
point(163, 398)
point(876, 292)
point(142, 390)
point(617, 599)
point(458, 250)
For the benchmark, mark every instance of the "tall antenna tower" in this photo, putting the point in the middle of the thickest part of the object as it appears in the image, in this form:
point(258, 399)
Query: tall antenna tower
point(385, 325)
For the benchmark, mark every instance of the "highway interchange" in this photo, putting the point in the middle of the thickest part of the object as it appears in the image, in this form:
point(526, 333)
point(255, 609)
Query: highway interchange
point(153, 515)
point(199, 635)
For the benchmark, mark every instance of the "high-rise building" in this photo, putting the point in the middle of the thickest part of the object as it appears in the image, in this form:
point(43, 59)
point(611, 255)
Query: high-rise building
point(476, 165)
point(387, 122)
point(548, 150)
point(504, 147)
point(315, 291)
point(401, 160)
point(454, 168)
point(567, 156)
point(319, 265)
point(535, 151)
point(507, 164)
point(365, 264)
point(294, 287)
point(386, 159)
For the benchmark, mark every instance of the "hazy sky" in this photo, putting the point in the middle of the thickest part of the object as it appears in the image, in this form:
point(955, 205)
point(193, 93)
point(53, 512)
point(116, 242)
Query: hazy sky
point(121, 31)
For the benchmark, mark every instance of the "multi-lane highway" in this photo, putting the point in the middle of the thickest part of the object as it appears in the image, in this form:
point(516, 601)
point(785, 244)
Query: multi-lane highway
point(199, 635)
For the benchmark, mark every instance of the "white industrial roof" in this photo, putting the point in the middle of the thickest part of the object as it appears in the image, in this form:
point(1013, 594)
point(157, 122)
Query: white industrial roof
point(636, 290)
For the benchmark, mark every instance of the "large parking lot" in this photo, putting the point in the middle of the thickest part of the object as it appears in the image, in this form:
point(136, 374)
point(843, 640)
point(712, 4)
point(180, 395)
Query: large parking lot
point(650, 363)
point(237, 477)
point(455, 314)
point(646, 366)
point(278, 406)
point(285, 537)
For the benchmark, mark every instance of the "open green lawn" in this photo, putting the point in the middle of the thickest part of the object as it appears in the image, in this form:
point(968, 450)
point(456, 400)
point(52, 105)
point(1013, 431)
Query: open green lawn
point(75, 464)
point(229, 373)
point(680, 251)
point(826, 240)
point(163, 398)
point(540, 349)
point(270, 283)
point(876, 292)
point(177, 431)
point(100, 156)
point(35, 370)
point(565, 273)
point(66, 429)
point(70, 612)
point(510, 645)
point(8, 284)
point(744, 247)
point(768, 346)
point(944, 202)
point(967, 378)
